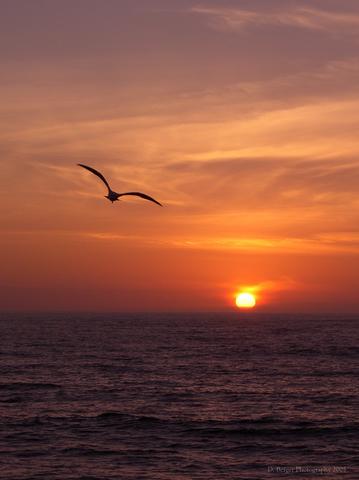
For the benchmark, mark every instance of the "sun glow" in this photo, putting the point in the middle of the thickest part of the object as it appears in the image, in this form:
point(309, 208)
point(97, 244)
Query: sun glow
point(245, 300)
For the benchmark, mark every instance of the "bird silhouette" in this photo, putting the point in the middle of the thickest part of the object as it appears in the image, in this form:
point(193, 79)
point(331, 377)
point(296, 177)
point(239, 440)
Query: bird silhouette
point(114, 196)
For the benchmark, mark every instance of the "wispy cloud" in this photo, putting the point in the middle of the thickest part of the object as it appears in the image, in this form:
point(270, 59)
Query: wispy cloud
point(320, 244)
point(235, 172)
point(256, 159)
point(237, 19)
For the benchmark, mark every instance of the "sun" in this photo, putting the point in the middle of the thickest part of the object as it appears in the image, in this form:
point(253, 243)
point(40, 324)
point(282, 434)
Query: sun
point(245, 300)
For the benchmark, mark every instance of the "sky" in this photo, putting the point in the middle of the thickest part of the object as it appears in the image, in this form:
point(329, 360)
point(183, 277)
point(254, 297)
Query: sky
point(240, 116)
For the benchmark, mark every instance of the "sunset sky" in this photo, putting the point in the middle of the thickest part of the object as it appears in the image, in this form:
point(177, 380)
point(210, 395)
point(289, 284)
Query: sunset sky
point(241, 117)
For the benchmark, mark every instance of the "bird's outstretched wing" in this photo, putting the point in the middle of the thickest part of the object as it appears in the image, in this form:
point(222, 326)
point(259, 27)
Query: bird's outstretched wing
point(142, 195)
point(98, 174)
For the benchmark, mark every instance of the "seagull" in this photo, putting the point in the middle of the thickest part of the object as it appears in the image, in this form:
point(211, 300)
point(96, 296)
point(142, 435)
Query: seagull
point(113, 196)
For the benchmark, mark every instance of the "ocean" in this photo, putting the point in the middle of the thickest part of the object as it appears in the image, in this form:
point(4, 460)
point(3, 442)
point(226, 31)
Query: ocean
point(178, 396)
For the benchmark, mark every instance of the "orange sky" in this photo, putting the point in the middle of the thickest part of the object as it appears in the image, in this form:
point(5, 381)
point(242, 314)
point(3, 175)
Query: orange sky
point(240, 116)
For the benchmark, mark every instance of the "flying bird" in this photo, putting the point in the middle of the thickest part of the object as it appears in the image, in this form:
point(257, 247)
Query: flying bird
point(114, 196)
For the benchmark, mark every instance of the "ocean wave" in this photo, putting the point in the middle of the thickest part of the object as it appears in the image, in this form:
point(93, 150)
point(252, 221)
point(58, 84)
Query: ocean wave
point(29, 386)
point(113, 397)
point(265, 426)
point(87, 451)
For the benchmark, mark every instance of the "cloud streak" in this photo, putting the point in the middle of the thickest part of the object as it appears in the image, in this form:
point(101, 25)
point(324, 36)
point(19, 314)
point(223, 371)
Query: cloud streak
point(236, 19)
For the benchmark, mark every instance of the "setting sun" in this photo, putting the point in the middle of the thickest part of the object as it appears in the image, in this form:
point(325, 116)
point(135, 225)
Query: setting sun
point(245, 300)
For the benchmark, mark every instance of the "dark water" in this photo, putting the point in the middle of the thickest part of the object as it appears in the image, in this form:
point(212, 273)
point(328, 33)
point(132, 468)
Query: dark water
point(178, 397)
